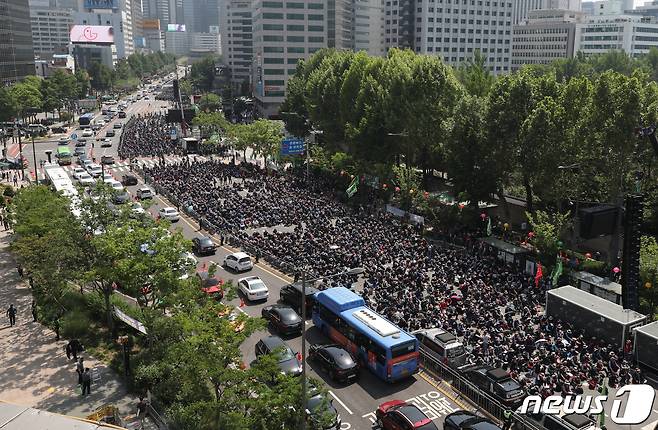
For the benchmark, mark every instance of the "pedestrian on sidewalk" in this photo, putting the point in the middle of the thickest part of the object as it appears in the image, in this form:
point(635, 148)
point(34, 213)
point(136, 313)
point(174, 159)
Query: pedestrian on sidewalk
point(76, 347)
point(5, 223)
point(142, 408)
point(86, 382)
point(67, 348)
point(19, 269)
point(34, 311)
point(11, 313)
point(79, 368)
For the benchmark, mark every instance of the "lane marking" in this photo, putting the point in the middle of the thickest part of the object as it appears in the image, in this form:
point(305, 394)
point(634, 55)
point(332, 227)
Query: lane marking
point(459, 403)
point(341, 402)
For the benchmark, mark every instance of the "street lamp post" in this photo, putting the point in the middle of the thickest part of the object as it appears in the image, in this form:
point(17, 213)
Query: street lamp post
point(353, 271)
point(34, 153)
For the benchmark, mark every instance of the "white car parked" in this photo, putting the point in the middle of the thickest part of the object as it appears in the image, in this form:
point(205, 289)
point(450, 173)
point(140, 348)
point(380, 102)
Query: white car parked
point(116, 185)
point(85, 179)
point(169, 213)
point(77, 171)
point(95, 170)
point(238, 261)
point(253, 288)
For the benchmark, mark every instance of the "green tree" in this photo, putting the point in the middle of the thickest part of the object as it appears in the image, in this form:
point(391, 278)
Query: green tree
point(83, 83)
point(475, 76)
point(470, 166)
point(264, 137)
point(547, 229)
point(649, 272)
point(8, 105)
point(203, 73)
point(209, 123)
point(210, 102)
point(27, 97)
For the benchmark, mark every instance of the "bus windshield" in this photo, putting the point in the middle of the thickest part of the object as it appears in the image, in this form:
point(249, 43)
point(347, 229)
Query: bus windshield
point(405, 348)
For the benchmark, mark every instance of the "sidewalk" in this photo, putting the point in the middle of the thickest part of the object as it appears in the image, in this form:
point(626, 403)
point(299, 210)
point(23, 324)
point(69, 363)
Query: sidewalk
point(34, 370)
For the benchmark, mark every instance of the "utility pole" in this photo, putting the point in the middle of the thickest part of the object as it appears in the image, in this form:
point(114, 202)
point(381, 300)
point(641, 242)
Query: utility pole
point(34, 153)
point(303, 420)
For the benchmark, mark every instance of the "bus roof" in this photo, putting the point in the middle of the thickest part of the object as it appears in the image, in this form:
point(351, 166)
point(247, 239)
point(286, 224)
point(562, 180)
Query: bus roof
point(88, 115)
point(63, 150)
point(351, 307)
point(339, 299)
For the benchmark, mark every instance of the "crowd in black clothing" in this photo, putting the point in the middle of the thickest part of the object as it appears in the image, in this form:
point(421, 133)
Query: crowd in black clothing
point(495, 309)
point(147, 135)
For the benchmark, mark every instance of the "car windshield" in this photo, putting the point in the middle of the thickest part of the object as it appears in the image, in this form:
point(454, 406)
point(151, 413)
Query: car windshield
point(285, 354)
point(455, 352)
point(243, 260)
point(205, 241)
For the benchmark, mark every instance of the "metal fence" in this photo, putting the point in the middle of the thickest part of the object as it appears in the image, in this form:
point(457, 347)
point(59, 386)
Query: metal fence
point(468, 390)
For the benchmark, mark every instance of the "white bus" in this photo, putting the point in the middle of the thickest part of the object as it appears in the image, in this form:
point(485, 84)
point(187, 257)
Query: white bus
point(59, 180)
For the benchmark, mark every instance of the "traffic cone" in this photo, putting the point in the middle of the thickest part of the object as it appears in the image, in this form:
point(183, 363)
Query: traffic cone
point(241, 302)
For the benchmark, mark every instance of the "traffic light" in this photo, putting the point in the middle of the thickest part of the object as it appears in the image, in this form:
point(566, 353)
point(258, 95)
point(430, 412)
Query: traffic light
point(631, 256)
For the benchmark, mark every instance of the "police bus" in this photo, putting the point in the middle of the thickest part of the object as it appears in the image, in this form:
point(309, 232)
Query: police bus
point(378, 344)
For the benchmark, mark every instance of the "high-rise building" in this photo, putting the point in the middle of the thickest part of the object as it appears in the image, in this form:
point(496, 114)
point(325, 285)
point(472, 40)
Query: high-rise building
point(632, 34)
point(50, 28)
point(368, 29)
point(649, 8)
point(137, 15)
point(284, 33)
point(454, 30)
point(120, 19)
point(237, 39)
point(607, 7)
point(16, 50)
point(545, 36)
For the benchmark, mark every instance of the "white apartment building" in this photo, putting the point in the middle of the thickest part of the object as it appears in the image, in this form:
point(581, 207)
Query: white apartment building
point(284, 32)
point(544, 36)
point(633, 34)
point(50, 31)
point(368, 27)
point(455, 29)
point(523, 7)
point(237, 39)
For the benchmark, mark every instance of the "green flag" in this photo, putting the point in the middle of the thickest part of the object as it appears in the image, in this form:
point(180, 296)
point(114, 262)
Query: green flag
point(351, 190)
point(489, 227)
point(557, 271)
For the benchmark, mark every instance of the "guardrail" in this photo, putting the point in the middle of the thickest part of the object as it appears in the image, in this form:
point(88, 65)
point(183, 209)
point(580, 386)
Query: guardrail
point(467, 389)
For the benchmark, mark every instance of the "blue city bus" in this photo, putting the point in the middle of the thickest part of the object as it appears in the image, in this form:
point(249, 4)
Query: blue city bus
point(378, 344)
point(86, 119)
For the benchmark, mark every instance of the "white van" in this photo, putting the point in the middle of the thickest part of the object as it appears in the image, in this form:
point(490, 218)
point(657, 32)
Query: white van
point(442, 346)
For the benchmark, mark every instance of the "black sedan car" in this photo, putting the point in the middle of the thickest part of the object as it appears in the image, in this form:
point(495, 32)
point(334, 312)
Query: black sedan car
point(288, 362)
point(129, 180)
point(335, 361)
point(466, 420)
point(283, 318)
point(203, 246)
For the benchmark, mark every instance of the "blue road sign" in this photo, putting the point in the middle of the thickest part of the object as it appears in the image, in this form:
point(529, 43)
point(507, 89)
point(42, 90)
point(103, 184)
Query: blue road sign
point(292, 146)
point(74, 136)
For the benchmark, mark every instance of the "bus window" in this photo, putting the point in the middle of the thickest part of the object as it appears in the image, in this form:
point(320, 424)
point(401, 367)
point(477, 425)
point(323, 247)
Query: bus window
point(403, 349)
